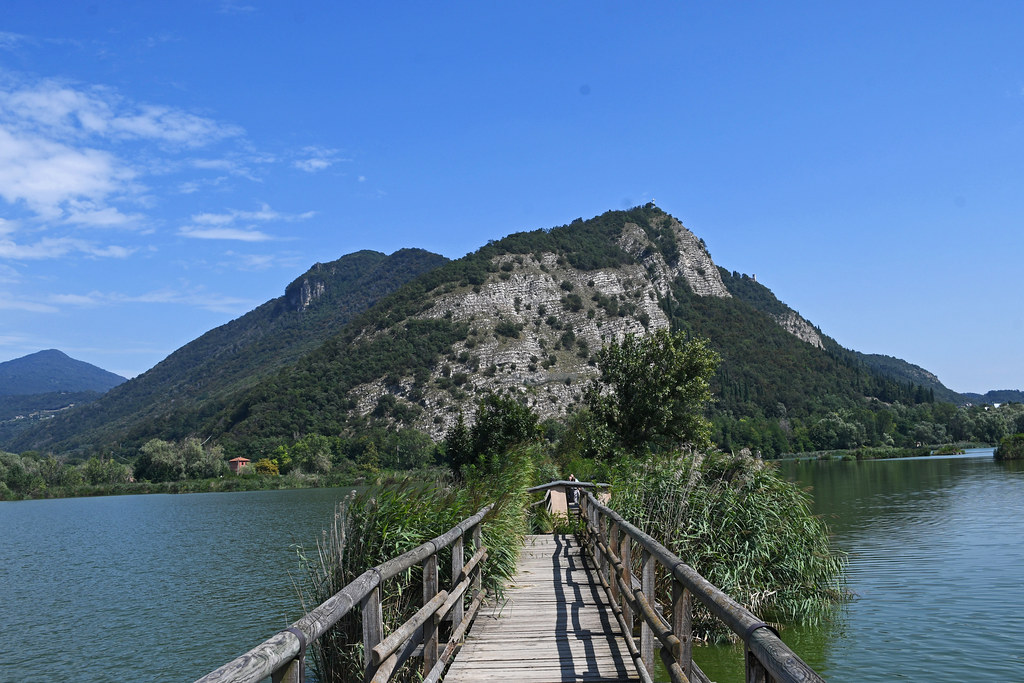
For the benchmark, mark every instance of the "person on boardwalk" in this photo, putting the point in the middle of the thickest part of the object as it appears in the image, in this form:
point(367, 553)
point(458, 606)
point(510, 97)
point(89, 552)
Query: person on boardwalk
point(574, 493)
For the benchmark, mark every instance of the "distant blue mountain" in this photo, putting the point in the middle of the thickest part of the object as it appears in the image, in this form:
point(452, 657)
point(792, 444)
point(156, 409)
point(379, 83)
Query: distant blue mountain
point(53, 371)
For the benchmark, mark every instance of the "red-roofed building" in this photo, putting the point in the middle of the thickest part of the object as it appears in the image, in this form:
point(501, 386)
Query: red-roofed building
point(237, 464)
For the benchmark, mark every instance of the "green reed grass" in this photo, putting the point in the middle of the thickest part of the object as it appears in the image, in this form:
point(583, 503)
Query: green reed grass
point(743, 527)
point(393, 517)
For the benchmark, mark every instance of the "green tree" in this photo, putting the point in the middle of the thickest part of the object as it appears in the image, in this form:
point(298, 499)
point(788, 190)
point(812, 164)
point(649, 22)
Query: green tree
point(313, 453)
point(653, 390)
point(266, 466)
point(501, 423)
point(158, 460)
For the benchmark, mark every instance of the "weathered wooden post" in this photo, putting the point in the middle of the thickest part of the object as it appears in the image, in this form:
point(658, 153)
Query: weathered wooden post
point(613, 545)
point(755, 671)
point(647, 586)
point(625, 554)
point(373, 627)
point(478, 581)
point(458, 562)
point(602, 536)
point(682, 626)
point(430, 587)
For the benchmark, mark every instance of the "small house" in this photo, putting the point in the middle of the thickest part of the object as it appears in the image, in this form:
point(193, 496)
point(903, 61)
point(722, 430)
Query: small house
point(238, 464)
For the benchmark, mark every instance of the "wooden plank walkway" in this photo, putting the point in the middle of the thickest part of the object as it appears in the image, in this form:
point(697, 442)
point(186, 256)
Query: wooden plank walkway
point(555, 625)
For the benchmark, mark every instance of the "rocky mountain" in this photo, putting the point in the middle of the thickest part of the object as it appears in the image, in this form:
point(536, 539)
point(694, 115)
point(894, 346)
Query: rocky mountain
point(168, 398)
point(53, 371)
point(526, 314)
point(908, 372)
point(523, 315)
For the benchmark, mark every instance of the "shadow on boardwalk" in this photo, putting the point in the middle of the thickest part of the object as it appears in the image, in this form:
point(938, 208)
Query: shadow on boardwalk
point(555, 625)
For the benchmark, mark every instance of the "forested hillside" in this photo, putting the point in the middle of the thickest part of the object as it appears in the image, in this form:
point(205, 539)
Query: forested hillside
point(527, 313)
point(170, 398)
point(523, 317)
point(53, 371)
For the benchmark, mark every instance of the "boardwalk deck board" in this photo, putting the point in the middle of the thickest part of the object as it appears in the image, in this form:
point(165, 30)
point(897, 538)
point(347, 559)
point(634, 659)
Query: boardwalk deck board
point(554, 625)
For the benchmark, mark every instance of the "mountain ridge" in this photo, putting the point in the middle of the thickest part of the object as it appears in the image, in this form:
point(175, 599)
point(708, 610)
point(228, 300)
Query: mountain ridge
point(53, 371)
point(524, 315)
point(166, 398)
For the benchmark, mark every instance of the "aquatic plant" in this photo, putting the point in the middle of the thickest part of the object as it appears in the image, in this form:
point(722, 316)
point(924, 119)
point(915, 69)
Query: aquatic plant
point(742, 526)
point(393, 517)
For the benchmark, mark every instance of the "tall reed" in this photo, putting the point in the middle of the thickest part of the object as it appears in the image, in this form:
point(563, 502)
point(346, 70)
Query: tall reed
point(393, 517)
point(742, 526)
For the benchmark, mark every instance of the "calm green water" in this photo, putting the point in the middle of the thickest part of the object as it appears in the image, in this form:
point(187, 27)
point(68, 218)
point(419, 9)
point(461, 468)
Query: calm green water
point(937, 563)
point(147, 588)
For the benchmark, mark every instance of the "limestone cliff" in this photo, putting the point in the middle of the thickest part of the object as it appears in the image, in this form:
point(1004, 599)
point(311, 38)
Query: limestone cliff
point(799, 327)
point(536, 323)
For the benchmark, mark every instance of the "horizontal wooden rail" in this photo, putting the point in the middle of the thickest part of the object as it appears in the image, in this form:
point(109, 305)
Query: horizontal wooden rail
point(281, 656)
point(569, 484)
point(611, 540)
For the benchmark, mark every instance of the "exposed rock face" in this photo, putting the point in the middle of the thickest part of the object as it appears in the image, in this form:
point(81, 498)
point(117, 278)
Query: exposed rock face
point(301, 294)
point(535, 325)
point(800, 328)
point(693, 263)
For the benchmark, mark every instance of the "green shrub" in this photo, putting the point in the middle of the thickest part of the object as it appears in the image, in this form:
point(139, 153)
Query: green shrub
point(1011, 448)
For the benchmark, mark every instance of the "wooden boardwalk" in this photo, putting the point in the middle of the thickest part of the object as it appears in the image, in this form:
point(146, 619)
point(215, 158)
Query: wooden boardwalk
point(555, 624)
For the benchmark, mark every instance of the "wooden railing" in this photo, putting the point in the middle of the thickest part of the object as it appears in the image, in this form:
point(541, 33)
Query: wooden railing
point(282, 656)
point(556, 494)
point(613, 543)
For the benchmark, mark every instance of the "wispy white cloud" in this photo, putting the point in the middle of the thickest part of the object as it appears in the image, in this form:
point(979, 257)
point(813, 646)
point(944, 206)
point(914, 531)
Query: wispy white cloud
point(13, 41)
point(45, 174)
point(258, 262)
point(196, 298)
point(68, 112)
point(10, 302)
point(238, 224)
point(239, 234)
point(236, 7)
point(57, 247)
point(261, 215)
point(79, 156)
point(89, 214)
point(313, 159)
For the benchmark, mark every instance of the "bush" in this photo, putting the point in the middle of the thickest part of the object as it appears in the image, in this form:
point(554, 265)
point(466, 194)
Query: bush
point(1011, 448)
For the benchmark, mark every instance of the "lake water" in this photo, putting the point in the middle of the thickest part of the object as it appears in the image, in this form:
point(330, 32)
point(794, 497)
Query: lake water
point(170, 587)
point(936, 550)
point(146, 588)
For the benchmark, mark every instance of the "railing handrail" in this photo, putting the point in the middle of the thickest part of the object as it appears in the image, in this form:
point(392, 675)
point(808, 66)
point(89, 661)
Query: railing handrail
point(283, 649)
point(565, 482)
point(777, 659)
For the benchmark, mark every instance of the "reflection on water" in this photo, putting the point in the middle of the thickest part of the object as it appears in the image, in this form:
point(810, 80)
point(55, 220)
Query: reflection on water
point(935, 557)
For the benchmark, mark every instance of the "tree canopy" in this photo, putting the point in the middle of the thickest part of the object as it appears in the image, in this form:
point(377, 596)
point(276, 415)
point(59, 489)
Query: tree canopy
point(652, 391)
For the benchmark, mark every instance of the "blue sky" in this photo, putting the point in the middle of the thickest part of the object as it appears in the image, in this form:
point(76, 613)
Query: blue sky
point(166, 167)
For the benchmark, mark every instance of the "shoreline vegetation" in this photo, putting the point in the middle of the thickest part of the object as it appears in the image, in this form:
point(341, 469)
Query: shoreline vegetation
point(30, 477)
point(886, 452)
